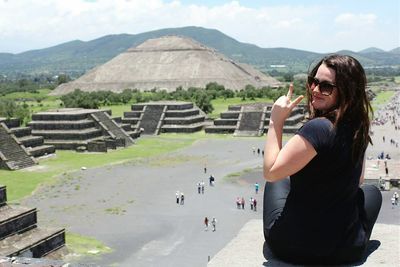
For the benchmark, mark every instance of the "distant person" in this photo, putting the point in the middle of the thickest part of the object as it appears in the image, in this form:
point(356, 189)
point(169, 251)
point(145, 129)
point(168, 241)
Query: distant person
point(214, 224)
point(320, 215)
point(238, 203)
point(256, 187)
point(251, 203)
point(212, 180)
point(199, 187)
point(206, 223)
point(202, 187)
point(177, 196)
point(255, 204)
point(242, 202)
point(182, 198)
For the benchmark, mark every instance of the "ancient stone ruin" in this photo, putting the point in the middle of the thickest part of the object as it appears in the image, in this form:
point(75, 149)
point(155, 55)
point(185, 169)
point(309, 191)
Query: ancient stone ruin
point(18, 147)
point(167, 63)
point(81, 129)
point(20, 235)
point(252, 120)
point(165, 117)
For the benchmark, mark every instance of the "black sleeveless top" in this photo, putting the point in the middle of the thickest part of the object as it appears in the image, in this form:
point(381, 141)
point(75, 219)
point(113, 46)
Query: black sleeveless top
point(322, 215)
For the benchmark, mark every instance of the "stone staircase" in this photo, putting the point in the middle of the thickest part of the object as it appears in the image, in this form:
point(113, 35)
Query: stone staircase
point(13, 155)
point(150, 121)
point(33, 144)
point(20, 235)
point(112, 128)
point(250, 123)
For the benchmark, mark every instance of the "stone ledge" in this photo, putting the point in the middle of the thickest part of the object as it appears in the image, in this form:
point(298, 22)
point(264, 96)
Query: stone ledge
point(246, 249)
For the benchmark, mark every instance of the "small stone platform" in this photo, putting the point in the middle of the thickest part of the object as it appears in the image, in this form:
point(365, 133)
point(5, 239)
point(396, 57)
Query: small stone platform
point(20, 235)
point(154, 118)
point(75, 128)
point(253, 120)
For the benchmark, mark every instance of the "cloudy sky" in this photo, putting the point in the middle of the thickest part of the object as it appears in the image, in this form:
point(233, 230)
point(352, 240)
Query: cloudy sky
point(312, 25)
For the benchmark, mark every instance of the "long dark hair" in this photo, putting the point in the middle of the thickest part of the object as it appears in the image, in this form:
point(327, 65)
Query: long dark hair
point(353, 107)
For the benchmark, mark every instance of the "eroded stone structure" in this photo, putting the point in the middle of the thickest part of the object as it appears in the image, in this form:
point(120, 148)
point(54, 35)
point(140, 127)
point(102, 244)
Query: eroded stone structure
point(20, 235)
point(165, 117)
point(18, 147)
point(76, 128)
point(252, 120)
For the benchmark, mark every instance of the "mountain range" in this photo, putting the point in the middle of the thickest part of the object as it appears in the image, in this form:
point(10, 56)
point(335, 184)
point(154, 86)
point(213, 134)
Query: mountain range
point(76, 57)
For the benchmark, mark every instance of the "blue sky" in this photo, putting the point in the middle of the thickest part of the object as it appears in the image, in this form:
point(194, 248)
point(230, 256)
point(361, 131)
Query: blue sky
point(319, 26)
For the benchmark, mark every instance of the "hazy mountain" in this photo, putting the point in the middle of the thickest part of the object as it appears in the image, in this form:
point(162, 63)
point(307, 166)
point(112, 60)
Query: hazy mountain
point(76, 57)
point(371, 50)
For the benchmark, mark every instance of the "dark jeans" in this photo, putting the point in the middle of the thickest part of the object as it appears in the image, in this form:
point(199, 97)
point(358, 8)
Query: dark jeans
point(275, 195)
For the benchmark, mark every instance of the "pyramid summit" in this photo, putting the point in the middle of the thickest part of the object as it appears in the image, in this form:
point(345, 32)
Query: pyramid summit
point(167, 63)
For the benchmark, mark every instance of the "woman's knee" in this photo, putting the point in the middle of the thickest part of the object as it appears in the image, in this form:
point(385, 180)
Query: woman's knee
point(372, 195)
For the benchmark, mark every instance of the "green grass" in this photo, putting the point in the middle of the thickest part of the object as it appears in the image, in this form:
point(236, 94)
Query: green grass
point(233, 177)
point(381, 99)
point(22, 183)
point(41, 94)
point(118, 110)
point(84, 246)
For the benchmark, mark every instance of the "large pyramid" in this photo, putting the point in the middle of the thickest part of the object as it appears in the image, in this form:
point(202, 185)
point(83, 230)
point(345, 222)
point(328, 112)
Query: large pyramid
point(167, 63)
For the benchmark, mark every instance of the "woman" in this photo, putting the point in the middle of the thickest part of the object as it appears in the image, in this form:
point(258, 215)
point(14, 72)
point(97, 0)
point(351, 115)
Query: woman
point(321, 215)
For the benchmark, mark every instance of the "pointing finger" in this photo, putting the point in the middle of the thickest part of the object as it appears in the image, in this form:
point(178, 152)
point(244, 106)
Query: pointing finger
point(290, 92)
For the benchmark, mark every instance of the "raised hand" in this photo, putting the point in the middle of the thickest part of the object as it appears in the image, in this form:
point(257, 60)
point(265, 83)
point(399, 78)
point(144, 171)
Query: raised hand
point(283, 106)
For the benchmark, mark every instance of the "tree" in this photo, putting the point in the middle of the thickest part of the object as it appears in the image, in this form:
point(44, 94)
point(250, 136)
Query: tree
point(63, 78)
point(203, 101)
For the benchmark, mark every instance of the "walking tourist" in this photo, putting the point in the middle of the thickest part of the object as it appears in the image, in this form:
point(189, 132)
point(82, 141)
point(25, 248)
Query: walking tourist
point(214, 224)
point(206, 223)
point(199, 187)
point(327, 155)
point(256, 187)
point(177, 195)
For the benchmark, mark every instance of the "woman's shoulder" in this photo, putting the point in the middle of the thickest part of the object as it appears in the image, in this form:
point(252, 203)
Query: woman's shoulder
point(319, 123)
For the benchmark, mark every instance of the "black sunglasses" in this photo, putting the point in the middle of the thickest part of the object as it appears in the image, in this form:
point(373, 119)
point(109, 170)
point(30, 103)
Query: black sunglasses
point(325, 87)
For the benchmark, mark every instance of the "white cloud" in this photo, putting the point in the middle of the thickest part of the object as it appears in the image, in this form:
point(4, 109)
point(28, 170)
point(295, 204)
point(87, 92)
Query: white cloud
point(32, 24)
point(355, 20)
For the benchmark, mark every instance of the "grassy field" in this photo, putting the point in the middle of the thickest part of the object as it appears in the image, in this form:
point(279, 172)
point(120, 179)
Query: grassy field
point(381, 99)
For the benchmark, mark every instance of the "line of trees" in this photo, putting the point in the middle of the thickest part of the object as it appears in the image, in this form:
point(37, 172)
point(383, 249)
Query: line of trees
point(200, 96)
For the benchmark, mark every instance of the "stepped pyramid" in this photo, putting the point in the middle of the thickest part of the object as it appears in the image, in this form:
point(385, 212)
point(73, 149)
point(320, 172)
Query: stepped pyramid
point(77, 128)
point(167, 63)
point(20, 235)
